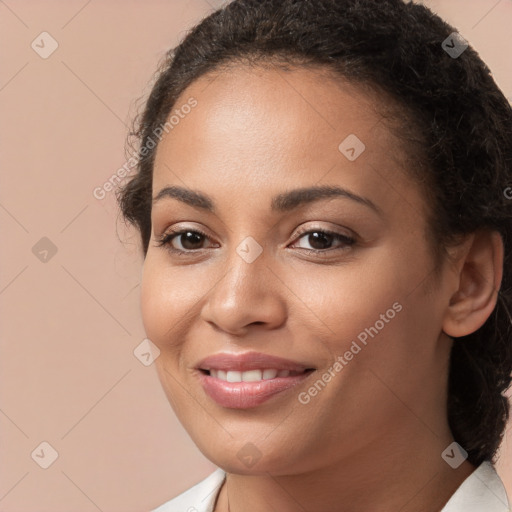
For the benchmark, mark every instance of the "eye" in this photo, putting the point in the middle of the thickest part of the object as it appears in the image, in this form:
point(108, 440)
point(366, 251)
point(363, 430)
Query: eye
point(321, 240)
point(190, 240)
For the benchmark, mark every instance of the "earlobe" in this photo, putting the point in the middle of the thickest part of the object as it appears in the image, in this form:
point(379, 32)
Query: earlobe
point(478, 281)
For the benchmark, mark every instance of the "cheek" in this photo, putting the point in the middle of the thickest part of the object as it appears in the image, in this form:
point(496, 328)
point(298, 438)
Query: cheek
point(343, 301)
point(162, 302)
point(376, 300)
point(171, 298)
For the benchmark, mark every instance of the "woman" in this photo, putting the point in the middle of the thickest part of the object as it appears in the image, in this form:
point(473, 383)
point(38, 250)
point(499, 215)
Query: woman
point(322, 202)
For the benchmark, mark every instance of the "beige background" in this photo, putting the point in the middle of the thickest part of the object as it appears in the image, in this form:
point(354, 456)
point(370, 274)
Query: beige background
point(70, 324)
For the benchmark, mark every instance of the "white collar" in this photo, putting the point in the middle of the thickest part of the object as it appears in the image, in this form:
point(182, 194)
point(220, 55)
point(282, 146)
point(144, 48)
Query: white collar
point(483, 490)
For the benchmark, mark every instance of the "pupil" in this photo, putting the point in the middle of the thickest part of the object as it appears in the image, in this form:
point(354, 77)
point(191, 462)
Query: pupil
point(189, 237)
point(316, 237)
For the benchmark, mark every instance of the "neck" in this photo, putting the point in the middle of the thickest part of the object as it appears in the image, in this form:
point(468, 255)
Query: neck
point(400, 471)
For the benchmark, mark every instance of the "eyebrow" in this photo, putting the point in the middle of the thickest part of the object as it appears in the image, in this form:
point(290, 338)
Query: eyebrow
point(283, 202)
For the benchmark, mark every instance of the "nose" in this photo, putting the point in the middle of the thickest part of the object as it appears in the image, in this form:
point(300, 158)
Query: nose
point(248, 294)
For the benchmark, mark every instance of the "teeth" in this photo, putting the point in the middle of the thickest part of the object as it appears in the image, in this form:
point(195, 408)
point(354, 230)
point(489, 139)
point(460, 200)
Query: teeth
point(250, 375)
point(269, 374)
point(233, 376)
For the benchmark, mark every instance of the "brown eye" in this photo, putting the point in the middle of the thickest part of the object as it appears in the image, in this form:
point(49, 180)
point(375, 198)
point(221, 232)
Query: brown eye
point(183, 241)
point(189, 240)
point(321, 240)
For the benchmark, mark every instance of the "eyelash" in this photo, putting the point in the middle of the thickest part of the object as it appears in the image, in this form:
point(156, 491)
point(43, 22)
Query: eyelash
point(166, 239)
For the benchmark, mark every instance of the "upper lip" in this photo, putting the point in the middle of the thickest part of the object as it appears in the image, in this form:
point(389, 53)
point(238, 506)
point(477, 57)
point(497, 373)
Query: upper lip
point(249, 361)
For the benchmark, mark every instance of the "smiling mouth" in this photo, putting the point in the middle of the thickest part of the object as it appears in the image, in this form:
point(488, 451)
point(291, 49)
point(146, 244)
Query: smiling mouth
point(254, 375)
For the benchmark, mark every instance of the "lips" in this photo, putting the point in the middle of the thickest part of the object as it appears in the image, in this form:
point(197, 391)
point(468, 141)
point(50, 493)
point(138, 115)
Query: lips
point(250, 361)
point(224, 378)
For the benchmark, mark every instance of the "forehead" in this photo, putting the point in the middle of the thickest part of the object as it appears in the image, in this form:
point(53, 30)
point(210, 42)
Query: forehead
point(272, 128)
point(244, 106)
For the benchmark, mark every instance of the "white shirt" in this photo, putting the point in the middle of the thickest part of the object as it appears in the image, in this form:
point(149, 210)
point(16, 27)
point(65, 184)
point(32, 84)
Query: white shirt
point(482, 491)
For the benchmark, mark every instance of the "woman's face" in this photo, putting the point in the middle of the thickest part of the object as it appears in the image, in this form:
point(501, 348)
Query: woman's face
point(363, 314)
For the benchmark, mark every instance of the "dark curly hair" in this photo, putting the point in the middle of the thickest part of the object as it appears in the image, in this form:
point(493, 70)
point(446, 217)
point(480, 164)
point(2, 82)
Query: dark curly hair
point(452, 119)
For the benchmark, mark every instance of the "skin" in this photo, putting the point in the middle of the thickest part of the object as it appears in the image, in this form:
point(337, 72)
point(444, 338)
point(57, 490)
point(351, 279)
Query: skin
point(372, 439)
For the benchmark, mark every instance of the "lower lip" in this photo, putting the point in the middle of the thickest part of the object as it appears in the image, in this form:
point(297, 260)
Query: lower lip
point(244, 395)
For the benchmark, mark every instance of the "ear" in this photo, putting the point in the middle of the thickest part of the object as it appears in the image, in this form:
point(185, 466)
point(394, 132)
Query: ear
point(478, 274)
